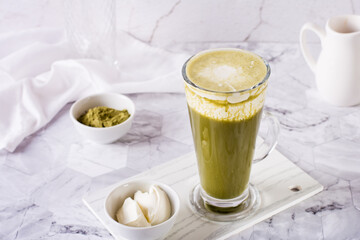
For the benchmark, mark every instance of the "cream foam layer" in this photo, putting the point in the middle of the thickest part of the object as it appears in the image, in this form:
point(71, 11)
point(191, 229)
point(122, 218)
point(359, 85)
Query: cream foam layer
point(226, 70)
point(221, 107)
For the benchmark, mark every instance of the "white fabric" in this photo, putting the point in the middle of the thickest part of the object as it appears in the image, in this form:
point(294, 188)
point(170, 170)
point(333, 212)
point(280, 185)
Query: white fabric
point(39, 74)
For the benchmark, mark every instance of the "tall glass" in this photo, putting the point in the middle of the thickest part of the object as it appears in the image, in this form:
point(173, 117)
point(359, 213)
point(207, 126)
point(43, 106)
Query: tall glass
point(224, 127)
point(91, 28)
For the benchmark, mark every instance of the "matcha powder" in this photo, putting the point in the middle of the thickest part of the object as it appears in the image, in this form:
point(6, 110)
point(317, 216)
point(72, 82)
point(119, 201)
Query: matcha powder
point(103, 117)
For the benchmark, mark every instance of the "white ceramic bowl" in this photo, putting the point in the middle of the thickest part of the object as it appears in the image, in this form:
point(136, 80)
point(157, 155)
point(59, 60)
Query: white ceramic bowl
point(118, 195)
point(108, 134)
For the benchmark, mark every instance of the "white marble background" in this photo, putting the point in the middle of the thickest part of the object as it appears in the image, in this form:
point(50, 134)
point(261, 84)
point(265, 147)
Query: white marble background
point(43, 181)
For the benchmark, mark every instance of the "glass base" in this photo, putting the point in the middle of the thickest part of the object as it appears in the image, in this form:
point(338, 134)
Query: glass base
point(224, 210)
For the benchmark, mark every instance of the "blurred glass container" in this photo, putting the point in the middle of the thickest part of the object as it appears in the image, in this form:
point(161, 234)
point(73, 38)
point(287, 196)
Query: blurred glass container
point(91, 28)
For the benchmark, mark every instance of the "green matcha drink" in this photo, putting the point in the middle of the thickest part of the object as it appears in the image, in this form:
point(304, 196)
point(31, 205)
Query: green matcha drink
point(225, 91)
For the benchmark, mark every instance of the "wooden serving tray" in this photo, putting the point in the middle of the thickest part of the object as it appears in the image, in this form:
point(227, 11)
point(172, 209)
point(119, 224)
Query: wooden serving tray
point(281, 185)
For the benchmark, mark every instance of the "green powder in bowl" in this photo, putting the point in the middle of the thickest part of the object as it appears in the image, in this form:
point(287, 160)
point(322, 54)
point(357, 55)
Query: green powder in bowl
point(101, 117)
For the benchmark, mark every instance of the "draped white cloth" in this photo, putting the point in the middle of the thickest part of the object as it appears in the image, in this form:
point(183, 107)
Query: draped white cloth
point(39, 74)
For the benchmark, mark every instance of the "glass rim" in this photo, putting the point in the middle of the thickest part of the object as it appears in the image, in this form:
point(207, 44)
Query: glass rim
point(188, 81)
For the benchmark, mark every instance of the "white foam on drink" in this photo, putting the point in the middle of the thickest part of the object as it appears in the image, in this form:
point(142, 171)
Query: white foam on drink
point(222, 75)
point(226, 72)
point(234, 107)
point(225, 77)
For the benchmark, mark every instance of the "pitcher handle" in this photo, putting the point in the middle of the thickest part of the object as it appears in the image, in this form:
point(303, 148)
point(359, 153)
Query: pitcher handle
point(271, 138)
point(303, 44)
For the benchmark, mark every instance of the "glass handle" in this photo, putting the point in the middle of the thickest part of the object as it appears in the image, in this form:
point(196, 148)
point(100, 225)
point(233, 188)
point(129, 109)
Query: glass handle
point(271, 138)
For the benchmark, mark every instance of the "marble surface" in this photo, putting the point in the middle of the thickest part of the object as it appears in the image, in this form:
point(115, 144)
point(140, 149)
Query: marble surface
point(43, 181)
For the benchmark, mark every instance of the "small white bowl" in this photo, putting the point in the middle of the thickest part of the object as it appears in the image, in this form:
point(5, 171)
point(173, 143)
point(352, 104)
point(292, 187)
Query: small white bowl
point(118, 195)
point(107, 134)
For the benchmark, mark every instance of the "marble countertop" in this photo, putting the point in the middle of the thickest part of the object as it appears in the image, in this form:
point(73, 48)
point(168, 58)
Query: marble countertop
point(43, 181)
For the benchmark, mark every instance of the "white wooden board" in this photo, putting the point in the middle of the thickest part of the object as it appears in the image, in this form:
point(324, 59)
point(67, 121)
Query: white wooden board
point(273, 177)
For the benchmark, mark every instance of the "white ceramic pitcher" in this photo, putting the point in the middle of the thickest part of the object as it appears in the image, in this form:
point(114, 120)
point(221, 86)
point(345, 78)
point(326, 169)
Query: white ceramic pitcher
point(337, 69)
